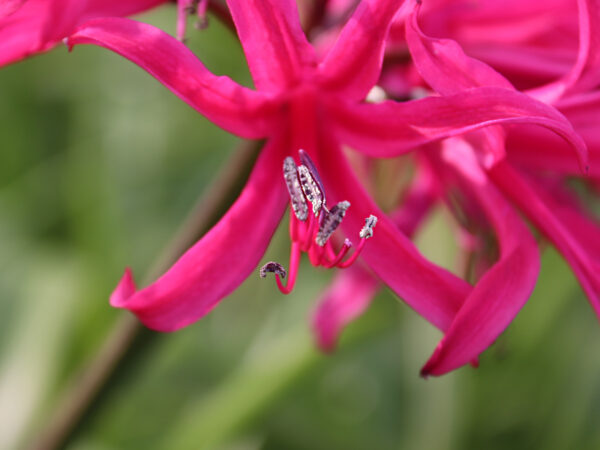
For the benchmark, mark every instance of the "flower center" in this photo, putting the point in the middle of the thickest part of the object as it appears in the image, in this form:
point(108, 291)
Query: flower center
point(310, 231)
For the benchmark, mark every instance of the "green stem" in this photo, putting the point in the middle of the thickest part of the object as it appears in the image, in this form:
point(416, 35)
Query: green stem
point(84, 392)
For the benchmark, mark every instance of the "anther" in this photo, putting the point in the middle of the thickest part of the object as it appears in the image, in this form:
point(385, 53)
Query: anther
point(367, 231)
point(290, 174)
point(330, 221)
point(311, 189)
point(305, 160)
point(272, 267)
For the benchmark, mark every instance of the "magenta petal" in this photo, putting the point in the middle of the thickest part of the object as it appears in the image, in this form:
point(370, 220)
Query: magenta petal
point(443, 64)
point(352, 66)
point(274, 43)
point(124, 290)
point(8, 7)
point(430, 290)
point(235, 108)
point(346, 299)
point(586, 269)
point(585, 74)
point(505, 287)
point(532, 147)
point(569, 211)
point(32, 26)
point(218, 262)
point(390, 128)
point(589, 47)
point(524, 64)
point(353, 289)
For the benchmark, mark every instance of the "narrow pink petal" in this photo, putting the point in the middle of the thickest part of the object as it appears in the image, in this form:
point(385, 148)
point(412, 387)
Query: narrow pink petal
point(353, 289)
point(525, 65)
point(529, 42)
point(504, 288)
point(221, 260)
point(274, 43)
point(585, 73)
point(506, 22)
point(535, 148)
point(443, 63)
point(570, 211)
point(116, 8)
point(390, 128)
point(235, 108)
point(589, 77)
point(353, 64)
point(8, 7)
point(430, 290)
point(532, 147)
point(37, 25)
point(344, 300)
point(586, 269)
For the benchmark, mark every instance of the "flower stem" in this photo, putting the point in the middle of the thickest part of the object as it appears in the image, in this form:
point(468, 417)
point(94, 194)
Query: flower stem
point(83, 393)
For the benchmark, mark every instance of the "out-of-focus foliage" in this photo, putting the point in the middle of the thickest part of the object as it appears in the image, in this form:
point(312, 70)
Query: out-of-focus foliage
point(100, 165)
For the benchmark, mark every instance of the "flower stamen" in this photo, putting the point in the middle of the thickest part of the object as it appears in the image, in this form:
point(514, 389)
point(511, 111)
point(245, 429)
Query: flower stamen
point(311, 189)
point(311, 233)
point(290, 175)
point(330, 221)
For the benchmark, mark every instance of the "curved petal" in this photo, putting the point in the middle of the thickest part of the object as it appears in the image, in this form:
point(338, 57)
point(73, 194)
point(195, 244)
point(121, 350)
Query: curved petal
point(585, 73)
point(389, 129)
point(32, 26)
point(353, 64)
point(533, 147)
point(235, 108)
point(274, 43)
point(569, 209)
point(218, 262)
point(443, 64)
point(504, 288)
point(344, 300)
point(586, 269)
point(525, 65)
point(430, 290)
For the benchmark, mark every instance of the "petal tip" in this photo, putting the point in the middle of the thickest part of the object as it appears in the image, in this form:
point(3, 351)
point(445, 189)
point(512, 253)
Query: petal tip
point(325, 336)
point(124, 290)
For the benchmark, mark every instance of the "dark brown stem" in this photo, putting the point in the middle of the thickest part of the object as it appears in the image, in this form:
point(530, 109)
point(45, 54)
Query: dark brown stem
point(82, 394)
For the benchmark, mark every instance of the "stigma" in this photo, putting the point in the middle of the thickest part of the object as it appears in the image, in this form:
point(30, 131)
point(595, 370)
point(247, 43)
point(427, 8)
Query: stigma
point(312, 224)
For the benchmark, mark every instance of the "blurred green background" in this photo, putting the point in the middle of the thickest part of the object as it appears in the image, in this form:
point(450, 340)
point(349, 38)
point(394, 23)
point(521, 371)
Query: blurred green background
point(100, 165)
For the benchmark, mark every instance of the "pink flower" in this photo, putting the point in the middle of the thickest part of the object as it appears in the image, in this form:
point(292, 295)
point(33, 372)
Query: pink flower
point(477, 164)
point(485, 188)
point(303, 101)
point(33, 26)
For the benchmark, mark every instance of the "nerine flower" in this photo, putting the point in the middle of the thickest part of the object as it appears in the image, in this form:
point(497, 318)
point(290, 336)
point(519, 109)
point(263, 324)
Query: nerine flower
point(532, 178)
point(316, 104)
